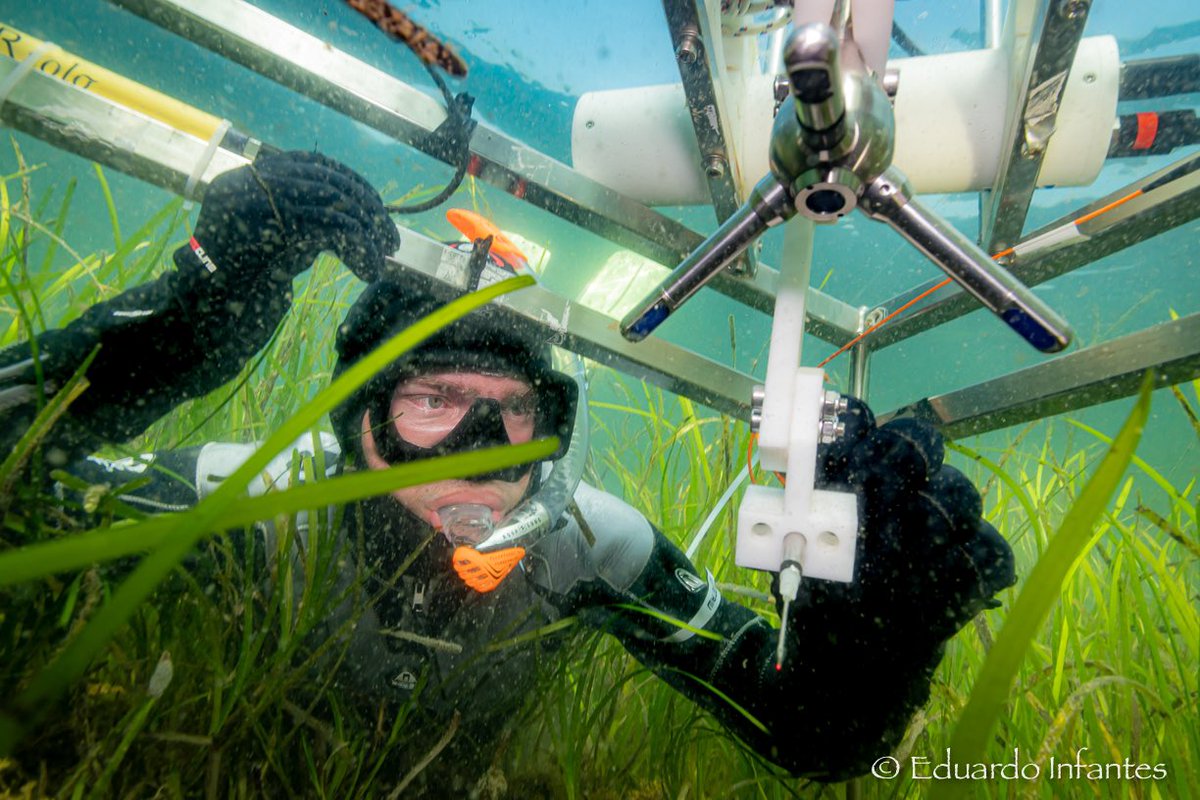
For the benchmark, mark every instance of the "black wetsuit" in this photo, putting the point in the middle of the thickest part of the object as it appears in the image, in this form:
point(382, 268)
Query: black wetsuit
point(842, 699)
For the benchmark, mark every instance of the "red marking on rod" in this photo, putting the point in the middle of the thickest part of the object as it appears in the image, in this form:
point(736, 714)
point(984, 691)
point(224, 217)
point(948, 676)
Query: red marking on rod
point(1147, 130)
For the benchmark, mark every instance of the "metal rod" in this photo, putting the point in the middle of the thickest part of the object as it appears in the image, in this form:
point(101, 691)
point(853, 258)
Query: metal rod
point(888, 199)
point(811, 55)
point(992, 22)
point(860, 356)
point(1093, 375)
point(1165, 199)
point(768, 204)
point(693, 38)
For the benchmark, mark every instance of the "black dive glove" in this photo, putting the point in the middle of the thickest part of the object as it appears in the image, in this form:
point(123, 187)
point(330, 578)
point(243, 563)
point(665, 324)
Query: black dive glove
point(193, 328)
point(927, 562)
point(270, 220)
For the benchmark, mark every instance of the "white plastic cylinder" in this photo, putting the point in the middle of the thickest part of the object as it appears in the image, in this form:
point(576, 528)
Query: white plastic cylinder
point(949, 128)
point(950, 118)
point(641, 143)
point(872, 21)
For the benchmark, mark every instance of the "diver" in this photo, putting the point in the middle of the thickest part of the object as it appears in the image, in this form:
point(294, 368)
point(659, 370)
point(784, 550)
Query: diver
point(860, 656)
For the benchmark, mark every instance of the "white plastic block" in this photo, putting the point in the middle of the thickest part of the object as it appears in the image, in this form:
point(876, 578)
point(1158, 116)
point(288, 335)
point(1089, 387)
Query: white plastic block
point(830, 530)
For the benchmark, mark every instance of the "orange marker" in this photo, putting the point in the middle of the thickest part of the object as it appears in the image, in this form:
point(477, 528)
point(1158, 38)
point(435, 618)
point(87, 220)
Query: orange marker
point(476, 227)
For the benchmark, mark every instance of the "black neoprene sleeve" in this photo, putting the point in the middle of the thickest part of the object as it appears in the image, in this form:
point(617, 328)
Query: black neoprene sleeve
point(160, 343)
point(842, 699)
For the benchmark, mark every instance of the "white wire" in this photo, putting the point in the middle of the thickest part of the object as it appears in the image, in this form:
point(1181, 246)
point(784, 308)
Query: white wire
point(718, 508)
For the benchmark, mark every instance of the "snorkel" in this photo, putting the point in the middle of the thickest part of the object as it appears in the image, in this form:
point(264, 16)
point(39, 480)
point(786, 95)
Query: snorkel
point(484, 552)
point(485, 343)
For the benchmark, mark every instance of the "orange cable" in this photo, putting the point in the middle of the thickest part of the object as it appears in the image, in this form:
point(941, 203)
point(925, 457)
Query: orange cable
point(1107, 208)
point(1006, 251)
point(874, 327)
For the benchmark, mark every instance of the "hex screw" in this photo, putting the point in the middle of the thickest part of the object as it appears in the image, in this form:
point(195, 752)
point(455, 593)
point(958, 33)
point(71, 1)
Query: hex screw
point(687, 50)
point(1076, 9)
point(714, 165)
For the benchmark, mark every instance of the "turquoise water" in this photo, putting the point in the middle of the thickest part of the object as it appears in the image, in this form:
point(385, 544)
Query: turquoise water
point(530, 62)
point(527, 69)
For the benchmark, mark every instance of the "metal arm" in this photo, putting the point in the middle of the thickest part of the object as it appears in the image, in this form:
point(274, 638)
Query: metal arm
point(889, 199)
point(831, 150)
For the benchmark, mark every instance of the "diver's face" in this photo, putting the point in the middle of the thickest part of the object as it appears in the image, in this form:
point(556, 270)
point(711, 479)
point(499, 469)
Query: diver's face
point(425, 409)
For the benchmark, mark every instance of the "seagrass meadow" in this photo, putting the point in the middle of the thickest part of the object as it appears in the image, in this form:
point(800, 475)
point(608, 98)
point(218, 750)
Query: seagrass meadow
point(178, 655)
point(198, 681)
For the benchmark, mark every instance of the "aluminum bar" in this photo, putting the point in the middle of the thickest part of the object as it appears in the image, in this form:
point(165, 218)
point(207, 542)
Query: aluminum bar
point(1096, 374)
point(585, 331)
point(694, 41)
point(94, 127)
point(305, 64)
point(1034, 113)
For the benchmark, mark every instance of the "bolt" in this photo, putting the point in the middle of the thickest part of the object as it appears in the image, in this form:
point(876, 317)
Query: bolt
point(688, 48)
point(832, 404)
point(714, 165)
point(1076, 9)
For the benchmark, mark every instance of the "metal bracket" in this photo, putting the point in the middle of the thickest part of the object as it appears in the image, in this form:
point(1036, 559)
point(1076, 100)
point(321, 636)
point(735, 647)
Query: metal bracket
point(1035, 110)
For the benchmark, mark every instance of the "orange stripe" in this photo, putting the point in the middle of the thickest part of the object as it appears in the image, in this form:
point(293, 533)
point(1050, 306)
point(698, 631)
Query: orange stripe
point(1147, 130)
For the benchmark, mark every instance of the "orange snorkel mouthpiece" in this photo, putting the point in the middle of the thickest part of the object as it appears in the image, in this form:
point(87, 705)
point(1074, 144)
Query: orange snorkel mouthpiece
point(484, 571)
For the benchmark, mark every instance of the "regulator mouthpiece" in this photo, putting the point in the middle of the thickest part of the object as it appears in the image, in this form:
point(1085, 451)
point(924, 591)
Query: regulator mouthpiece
point(466, 523)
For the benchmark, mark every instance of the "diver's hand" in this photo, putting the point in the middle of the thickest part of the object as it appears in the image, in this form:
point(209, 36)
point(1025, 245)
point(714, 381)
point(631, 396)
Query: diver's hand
point(271, 219)
point(927, 561)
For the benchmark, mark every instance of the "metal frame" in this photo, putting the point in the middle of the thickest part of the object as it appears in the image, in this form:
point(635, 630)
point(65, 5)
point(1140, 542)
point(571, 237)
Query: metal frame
point(578, 328)
point(694, 41)
point(95, 128)
point(98, 129)
point(293, 58)
point(1097, 374)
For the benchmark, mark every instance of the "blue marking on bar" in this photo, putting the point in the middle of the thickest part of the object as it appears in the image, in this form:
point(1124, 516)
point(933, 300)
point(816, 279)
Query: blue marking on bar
point(1031, 330)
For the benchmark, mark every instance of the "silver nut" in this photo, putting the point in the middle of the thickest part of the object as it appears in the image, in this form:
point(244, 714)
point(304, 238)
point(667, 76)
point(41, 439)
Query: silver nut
point(758, 395)
point(831, 431)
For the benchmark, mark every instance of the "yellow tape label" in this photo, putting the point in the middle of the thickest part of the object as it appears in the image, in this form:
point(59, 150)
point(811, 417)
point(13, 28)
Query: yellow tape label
point(18, 46)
